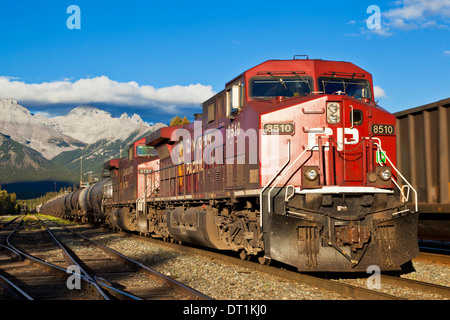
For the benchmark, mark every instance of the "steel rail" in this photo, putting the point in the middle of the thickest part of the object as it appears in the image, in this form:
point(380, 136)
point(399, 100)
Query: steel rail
point(8, 223)
point(14, 289)
point(181, 287)
point(44, 264)
point(99, 285)
point(434, 257)
point(72, 260)
point(417, 285)
point(9, 285)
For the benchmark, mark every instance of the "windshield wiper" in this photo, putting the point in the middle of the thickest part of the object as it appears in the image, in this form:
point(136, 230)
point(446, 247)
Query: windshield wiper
point(324, 84)
point(304, 79)
point(280, 80)
point(346, 83)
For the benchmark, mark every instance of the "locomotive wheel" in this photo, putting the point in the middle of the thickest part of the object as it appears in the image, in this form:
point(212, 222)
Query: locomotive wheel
point(265, 261)
point(244, 256)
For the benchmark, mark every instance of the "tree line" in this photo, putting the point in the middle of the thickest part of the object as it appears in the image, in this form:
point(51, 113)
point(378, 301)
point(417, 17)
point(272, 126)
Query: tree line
point(33, 203)
point(8, 202)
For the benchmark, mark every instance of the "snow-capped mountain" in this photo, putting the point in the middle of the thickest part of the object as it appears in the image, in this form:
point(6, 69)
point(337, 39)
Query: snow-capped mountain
point(90, 125)
point(80, 128)
point(31, 130)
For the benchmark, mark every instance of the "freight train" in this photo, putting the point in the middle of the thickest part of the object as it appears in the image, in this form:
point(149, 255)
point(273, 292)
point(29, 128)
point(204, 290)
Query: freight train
point(293, 161)
point(423, 154)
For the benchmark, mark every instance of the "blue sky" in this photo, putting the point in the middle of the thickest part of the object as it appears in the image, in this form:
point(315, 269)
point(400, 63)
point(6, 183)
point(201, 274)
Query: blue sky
point(161, 58)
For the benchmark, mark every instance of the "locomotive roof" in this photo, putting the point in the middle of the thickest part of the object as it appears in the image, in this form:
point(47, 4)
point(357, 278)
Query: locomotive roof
point(315, 67)
point(160, 136)
point(111, 164)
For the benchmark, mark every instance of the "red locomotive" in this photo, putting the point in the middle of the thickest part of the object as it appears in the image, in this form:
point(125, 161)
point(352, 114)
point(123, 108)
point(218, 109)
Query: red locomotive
point(293, 161)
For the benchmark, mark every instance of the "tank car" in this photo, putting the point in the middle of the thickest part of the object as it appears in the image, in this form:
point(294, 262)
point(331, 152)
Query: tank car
point(55, 207)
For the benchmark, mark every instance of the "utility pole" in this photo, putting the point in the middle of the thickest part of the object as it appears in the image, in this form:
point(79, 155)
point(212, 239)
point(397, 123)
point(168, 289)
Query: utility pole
point(81, 172)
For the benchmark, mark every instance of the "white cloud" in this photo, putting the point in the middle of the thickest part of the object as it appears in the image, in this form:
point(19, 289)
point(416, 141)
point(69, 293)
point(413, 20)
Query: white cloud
point(103, 90)
point(447, 52)
point(379, 92)
point(413, 14)
point(420, 9)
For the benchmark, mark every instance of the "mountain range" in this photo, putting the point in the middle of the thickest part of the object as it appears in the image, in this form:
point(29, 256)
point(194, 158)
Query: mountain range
point(35, 148)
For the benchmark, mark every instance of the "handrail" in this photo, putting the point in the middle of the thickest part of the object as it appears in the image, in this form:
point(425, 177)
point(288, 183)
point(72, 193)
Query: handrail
point(281, 176)
point(272, 180)
point(404, 199)
point(144, 194)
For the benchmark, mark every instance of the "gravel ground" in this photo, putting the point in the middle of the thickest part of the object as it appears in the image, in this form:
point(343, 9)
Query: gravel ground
point(224, 281)
point(214, 278)
point(437, 273)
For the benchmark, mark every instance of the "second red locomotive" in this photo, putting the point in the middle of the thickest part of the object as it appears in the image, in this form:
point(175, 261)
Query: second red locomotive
point(293, 161)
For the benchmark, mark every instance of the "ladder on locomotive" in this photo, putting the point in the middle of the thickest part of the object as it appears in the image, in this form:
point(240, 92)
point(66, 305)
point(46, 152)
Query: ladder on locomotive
point(142, 199)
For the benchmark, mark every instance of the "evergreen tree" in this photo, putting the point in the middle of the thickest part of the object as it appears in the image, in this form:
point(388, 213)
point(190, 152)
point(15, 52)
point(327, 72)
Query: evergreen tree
point(176, 121)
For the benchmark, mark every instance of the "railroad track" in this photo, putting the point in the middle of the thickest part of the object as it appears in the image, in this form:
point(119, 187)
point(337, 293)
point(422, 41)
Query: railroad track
point(21, 280)
point(103, 272)
point(351, 288)
point(434, 246)
point(434, 257)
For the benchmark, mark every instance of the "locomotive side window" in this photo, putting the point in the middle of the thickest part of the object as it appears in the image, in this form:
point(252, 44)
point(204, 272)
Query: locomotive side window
point(130, 154)
point(271, 87)
point(220, 107)
point(145, 151)
point(235, 98)
point(211, 112)
point(352, 87)
point(357, 117)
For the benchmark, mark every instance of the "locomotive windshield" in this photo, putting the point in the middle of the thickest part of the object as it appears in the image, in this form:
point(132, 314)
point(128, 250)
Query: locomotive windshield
point(352, 87)
point(281, 86)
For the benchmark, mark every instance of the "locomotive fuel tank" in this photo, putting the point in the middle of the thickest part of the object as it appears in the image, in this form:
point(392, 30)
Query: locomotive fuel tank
point(195, 225)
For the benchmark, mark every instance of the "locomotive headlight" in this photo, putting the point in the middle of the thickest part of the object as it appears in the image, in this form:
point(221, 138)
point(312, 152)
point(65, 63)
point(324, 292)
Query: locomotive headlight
point(385, 174)
point(333, 112)
point(333, 118)
point(333, 107)
point(311, 174)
